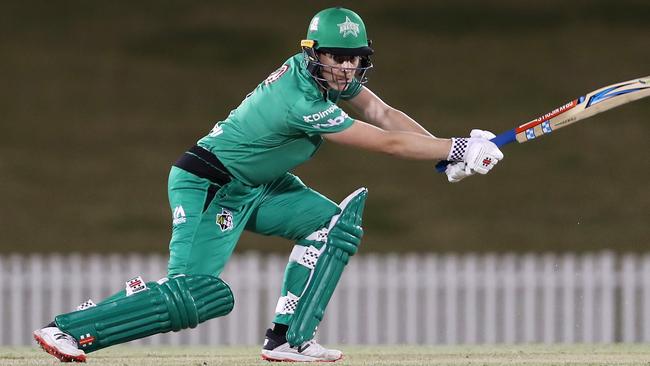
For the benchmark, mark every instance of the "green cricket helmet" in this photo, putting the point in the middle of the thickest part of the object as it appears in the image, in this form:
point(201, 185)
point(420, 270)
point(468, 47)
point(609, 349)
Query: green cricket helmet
point(341, 33)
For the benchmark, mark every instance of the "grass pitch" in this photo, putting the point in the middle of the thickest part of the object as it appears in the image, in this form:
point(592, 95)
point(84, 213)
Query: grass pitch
point(355, 356)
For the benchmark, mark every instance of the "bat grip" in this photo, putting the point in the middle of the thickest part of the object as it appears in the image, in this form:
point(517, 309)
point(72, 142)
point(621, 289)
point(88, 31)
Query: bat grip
point(499, 140)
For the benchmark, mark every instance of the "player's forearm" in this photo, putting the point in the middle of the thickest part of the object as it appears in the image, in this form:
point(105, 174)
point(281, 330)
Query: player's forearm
point(396, 120)
point(403, 144)
point(417, 146)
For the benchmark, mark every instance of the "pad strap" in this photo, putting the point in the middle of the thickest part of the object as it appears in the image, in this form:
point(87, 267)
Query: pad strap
point(287, 304)
point(86, 305)
point(305, 256)
point(318, 236)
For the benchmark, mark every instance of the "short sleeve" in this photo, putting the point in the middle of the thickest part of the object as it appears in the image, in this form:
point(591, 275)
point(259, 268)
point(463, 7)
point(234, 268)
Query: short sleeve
point(318, 117)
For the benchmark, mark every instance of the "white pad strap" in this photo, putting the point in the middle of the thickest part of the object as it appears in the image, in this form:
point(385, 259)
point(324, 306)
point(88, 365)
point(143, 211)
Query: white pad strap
point(287, 304)
point(305, 256)
point(319, 235)
point(86, 305)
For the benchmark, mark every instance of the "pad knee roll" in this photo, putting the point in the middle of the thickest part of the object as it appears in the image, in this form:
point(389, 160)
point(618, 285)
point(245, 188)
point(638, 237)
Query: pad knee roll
point(173, 304)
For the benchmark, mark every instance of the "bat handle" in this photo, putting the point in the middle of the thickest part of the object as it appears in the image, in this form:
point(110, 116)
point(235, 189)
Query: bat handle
point(500, 140)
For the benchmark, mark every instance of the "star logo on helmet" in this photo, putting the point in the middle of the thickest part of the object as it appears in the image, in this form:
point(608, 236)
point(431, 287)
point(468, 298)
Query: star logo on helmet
point(348, 28)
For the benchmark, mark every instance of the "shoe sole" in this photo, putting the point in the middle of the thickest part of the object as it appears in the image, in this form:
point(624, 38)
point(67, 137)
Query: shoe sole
point(272, 359)
point(54, 352)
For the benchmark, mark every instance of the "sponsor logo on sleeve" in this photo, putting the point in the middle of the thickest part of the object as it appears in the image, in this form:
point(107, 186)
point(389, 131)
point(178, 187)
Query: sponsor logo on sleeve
point(325, 118)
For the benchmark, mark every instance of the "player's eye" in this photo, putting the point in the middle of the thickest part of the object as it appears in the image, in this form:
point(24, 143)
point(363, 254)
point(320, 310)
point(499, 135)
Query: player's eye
point(339, 59)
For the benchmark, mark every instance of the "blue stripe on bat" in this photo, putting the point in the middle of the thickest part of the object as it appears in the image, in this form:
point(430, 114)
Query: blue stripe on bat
point(610, 93)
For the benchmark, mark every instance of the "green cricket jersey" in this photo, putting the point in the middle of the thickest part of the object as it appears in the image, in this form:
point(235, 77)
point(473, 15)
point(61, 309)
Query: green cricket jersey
point(278, 126)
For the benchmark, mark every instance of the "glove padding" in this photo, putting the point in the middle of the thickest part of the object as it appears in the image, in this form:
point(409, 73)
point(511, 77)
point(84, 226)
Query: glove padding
point(482, 154)
point(457, 172)
point(480, 157)
point(482, 134)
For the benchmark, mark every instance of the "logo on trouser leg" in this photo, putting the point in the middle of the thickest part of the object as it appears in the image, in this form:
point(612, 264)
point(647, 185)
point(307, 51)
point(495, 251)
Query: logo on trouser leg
point(179, 215)
point(224, 220)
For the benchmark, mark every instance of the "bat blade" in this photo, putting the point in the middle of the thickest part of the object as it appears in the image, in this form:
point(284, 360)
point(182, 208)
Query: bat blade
point(586, 106)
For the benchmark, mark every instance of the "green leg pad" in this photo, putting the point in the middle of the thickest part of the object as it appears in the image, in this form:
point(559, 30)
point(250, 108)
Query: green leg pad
point(342, 242)
point(179, 303)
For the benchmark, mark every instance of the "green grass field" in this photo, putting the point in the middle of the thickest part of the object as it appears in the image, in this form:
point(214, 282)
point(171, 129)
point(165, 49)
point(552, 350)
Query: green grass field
point(390, 355)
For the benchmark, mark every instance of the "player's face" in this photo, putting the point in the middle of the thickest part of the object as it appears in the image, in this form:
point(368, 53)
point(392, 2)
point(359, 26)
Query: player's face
point(339, 70)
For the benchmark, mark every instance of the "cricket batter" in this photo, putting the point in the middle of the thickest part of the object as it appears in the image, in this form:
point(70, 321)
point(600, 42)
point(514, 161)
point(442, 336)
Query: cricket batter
point(237, 178)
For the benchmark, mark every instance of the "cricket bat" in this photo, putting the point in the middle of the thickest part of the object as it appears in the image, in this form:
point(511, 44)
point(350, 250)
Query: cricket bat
point(586, 106)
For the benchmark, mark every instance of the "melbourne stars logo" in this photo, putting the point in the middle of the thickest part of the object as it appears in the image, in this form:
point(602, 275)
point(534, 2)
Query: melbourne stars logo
point(224, 220)
point(348, 27)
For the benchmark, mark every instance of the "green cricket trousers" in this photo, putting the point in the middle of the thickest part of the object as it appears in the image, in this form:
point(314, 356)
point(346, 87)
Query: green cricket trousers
point(210, 209)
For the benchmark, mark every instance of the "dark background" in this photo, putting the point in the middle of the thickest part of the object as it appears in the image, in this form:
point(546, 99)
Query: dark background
point(98, 98)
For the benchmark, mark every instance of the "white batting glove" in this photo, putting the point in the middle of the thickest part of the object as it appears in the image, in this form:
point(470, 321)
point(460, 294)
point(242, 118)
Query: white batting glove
point(482, 134)
point(478, 153)
point(457, 172)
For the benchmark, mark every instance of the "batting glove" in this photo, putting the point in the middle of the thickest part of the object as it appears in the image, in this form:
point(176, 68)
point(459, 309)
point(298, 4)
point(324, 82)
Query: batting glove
point(457, 172)
point(478, 153)
point(482, 134)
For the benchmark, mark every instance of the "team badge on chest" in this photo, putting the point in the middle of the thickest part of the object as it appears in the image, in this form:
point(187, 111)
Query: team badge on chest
point(224, 220)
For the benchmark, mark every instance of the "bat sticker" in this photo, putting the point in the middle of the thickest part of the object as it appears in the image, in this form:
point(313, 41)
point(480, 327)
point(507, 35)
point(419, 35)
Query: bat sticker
point(530, 133)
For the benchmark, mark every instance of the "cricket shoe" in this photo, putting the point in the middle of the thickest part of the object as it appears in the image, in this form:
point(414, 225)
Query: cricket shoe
point(59, 344)
point(276, 348)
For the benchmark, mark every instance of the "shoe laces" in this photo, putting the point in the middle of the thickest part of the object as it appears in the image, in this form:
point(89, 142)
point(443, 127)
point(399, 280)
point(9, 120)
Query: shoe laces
point(65, 338)
point(312, 345)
